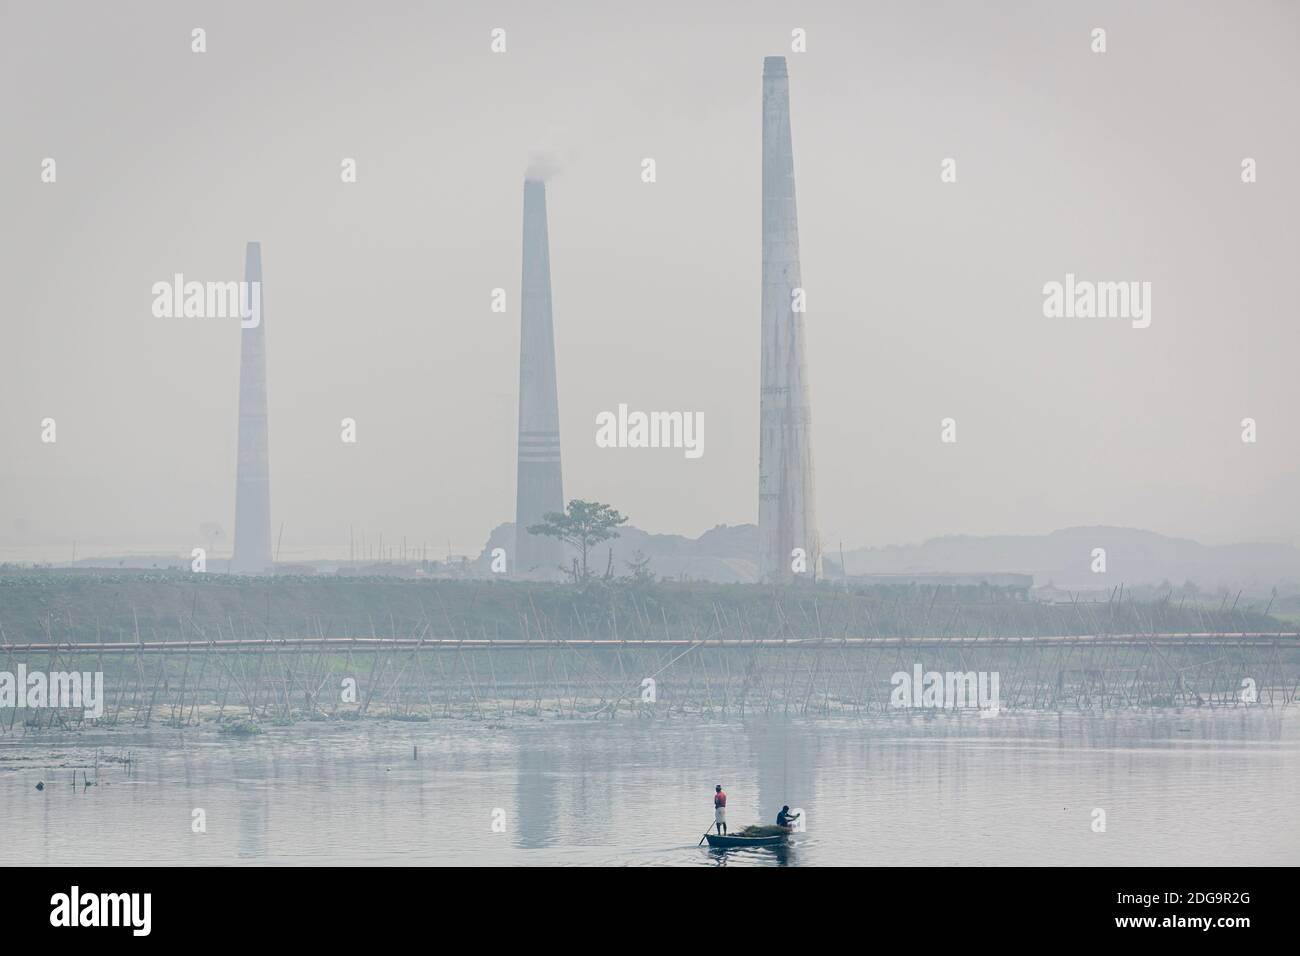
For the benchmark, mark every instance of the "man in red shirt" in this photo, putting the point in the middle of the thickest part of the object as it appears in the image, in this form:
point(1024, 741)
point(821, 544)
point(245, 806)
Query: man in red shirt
point(720, 809)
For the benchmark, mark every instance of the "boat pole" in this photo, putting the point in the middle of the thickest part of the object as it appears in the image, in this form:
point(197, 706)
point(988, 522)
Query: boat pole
point(706, 833)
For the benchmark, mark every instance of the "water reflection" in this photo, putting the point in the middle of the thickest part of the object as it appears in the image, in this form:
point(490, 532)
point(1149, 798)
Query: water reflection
point(756, 856)
point(537, 795)
point(1177, 789)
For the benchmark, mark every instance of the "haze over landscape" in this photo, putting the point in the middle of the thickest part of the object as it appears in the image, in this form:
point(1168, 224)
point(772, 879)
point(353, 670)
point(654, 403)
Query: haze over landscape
point(924, 298)
point(442, 435)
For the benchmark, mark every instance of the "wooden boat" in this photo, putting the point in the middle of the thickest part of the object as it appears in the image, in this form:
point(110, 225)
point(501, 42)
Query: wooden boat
point(719, 842)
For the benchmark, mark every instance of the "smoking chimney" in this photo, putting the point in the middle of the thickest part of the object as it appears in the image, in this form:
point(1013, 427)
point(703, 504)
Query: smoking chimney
point(786, 516)
point(539, 488)
point(252, 546)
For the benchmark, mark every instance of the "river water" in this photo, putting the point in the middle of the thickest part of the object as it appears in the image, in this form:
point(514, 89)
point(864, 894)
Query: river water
point(1189, 788)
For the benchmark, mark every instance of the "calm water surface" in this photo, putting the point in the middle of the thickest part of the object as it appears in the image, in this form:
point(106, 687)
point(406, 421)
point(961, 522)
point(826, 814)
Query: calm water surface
point(1192, 788)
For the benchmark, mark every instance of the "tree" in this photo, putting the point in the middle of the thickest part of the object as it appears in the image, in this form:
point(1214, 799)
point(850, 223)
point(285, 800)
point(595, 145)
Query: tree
point(640, 568)
point(584, 524)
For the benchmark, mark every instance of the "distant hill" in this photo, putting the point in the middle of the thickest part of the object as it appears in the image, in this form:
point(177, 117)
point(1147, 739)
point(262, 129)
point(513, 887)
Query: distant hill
point(1065, 558)
point(729, 554)
point(726, 554)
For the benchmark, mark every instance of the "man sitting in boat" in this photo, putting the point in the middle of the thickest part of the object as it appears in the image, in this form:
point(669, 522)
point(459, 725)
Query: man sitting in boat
point(720, 809)
point(786, 819)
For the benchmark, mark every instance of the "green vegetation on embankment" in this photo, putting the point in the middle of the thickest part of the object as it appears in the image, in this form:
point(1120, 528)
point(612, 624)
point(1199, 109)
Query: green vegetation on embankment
point(40, 605)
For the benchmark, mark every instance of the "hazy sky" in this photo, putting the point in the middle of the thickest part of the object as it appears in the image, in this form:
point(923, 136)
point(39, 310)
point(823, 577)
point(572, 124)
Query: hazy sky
point(924, 299)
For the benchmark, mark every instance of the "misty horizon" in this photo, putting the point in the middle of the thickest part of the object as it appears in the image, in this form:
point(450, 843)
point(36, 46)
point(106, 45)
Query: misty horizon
point(925, 298)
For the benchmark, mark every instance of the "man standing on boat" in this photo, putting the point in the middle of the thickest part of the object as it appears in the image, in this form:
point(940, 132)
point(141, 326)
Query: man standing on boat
point(720, 809)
